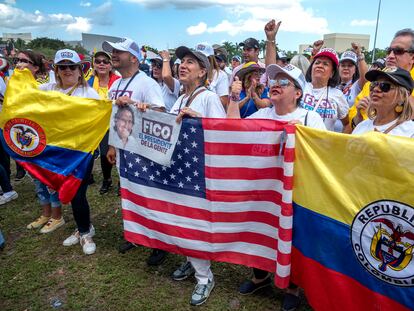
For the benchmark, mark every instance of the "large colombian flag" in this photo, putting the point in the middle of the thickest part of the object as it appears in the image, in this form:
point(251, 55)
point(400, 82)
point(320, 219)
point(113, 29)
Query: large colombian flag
point(353, 230)
point(50, 134)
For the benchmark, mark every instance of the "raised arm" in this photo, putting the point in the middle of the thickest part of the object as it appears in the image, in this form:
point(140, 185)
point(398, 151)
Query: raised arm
point(166, 70)
point(271, 30)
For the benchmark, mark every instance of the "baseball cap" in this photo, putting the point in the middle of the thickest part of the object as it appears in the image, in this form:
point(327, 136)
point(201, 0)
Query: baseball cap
point(125, 44)
point(294, 72)
point(182, 51)
point(397, 75)
point(206, 49)
point(250, 43)
point(308, 51)
point(330, 53)
point(153, 56)
point(249, 67)
point(380, 62)
point(221, 57)
point(106, 54)
point(282, 56)
point(68, 55)
point(237, 57)
point(349, 55)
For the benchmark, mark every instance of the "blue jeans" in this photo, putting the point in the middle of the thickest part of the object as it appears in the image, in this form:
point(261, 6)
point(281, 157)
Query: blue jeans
point(46, 195)
point(5, 180)
point(1, 240)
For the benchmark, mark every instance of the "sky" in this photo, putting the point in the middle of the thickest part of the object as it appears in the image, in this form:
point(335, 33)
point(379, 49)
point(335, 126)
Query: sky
point(167, 24)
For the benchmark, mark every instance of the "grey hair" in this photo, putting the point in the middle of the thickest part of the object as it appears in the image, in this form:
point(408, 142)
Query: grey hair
point(301, 62)
point(406, 32)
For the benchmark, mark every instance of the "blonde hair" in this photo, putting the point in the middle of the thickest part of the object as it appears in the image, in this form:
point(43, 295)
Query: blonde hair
point(214, 68)
point(402, 95)
point(81, 81)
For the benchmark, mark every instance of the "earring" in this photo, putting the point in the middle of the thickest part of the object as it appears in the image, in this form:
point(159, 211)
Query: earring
point(398, 108)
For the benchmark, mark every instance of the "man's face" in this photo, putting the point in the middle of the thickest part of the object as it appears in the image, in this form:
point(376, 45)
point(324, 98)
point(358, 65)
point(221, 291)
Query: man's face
point(124, 124)
point(121, 59)
point(250, 55)
point(398, 55)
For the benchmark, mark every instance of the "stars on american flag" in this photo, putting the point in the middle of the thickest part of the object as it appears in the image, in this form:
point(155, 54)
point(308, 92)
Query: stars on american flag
point(185, 173)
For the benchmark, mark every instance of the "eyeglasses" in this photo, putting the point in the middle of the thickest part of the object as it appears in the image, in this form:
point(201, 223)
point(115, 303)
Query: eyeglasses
point(22, 60)
point(64, 67)
point(398, 51)
point(101, 61)
point(283, 83)
point(154, 64)
point(383, 86)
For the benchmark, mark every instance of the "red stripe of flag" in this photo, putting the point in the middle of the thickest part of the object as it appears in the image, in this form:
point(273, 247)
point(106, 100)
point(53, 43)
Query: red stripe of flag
point(233, 257)
point(198, 213)
point(199, 235)
point(250, 125)
point(235, 149)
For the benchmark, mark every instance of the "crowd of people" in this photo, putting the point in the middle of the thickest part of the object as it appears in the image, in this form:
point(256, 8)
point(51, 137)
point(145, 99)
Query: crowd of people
point(318, 89)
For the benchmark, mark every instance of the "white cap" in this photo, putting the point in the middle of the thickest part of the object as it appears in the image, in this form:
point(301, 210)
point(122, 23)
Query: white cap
point(206, 49)
point(349, 55)
point(177, 61)
point(125, 44)
point(294, 72)
point(153, 56)
point(67, 54)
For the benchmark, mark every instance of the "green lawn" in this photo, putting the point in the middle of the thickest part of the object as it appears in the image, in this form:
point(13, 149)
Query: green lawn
point(36, 270)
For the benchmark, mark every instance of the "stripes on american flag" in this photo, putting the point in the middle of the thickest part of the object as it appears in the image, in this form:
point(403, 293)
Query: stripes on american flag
point(226, 197)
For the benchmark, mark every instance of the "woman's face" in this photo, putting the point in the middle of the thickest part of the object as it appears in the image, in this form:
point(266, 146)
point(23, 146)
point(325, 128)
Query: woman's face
point(102, 65)
point(69, 73)
point(124, 124)
point(346, 70)
point(190, 70)
point(23, 61)
point(252, 78)
point(322, 69)
point(386, 99)
point(282, 89)
point(156, 70)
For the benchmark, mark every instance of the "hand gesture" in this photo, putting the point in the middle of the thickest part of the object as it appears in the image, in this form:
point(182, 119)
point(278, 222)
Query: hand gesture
point(186, 111)
point(271, 29)
point(317, 45)
point(124, 100)
point(236, 87)
point(356, 48)
point(165, 55)
point(363, 104)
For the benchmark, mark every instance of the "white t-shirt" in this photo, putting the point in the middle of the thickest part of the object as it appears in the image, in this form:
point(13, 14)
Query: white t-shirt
point(170, 96)
point(220, 83)
point(352, 92)
point(405, 129)
point(141, 89)
point(207, 103)
point(308, 118)
point(86, 91)
point(330, 109)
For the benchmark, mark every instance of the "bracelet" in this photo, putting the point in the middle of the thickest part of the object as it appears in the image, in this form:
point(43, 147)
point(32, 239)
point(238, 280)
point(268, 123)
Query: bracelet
point(165, 60)
point(361, 57)
point(235, 98)
point(271, 41)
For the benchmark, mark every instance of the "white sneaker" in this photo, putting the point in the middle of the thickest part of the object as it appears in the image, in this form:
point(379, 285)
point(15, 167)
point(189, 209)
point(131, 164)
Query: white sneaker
point(88, 246)
point(8, 196)
point(75, 237)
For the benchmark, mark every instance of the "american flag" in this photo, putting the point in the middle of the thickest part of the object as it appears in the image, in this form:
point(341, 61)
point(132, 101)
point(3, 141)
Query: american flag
point(226, 197)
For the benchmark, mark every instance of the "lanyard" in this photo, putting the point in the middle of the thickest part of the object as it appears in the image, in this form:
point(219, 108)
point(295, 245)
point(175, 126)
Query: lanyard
point(126, 86)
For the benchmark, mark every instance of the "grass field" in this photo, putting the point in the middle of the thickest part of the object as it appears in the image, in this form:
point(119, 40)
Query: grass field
point(38, 273)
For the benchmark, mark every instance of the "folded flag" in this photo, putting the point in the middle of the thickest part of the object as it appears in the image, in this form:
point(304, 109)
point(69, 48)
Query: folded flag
point(353, 223)
point(50, 134)
point(226, 196)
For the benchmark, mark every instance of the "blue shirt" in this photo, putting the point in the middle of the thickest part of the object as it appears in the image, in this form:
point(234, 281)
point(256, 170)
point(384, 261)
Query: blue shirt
point(249, 107)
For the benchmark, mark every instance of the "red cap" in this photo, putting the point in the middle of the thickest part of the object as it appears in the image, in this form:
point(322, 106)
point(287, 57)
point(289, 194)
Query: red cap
point(330, 53)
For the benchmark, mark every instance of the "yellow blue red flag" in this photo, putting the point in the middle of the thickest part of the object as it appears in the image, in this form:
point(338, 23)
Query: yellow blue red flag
point(50, 134)
point(353, 230)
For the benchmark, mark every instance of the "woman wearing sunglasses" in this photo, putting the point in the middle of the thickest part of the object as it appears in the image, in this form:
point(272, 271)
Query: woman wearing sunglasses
point(390, 111)
point(70, 81)
point(101, 80)
point(161, 71)
point(286, 90)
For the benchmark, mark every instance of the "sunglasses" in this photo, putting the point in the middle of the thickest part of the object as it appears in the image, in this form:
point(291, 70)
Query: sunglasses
point(22, 60)
point(283, 83)
point(383, 86)
point(101, 61)
point(398, 51)
point(64, 67)
point(154, 64)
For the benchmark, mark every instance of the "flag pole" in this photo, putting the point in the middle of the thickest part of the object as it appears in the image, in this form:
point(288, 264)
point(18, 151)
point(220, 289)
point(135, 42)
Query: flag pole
point(376, 30)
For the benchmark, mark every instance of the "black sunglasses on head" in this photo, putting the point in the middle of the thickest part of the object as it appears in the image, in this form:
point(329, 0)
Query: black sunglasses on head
point(383, 86)
point(398, 51)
